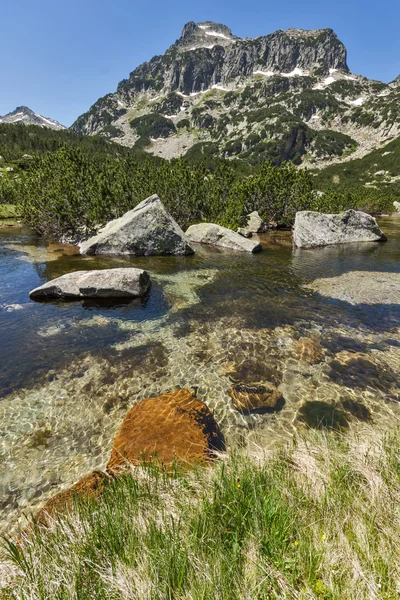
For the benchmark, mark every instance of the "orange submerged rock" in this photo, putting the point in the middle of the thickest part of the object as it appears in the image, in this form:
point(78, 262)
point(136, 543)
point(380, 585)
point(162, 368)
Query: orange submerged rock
point(308, 350)
point(171, 427)
point(90, 486)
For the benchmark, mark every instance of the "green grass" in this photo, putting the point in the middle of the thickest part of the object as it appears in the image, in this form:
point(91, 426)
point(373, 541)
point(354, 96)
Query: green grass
point(9, 211)
point(317, 519)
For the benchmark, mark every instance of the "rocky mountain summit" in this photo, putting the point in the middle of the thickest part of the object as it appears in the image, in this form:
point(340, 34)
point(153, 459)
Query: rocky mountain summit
point(26, 116)
point(288, 95)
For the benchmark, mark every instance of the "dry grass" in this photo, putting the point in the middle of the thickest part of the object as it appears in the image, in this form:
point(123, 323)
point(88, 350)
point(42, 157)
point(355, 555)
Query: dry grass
point(318, 519)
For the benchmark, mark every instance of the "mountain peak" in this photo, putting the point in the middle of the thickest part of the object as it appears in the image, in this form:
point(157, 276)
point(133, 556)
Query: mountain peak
point(243, 97)
point(26, 116)
point(206, 33)
point(308, 33)
point(395, 82)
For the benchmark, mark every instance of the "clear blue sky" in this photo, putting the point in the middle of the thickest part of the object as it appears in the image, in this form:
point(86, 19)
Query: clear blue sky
point(59, 56)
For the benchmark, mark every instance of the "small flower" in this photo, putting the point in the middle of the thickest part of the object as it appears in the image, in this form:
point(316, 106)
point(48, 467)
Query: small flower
point(379, 586)
point(238, 485)
point(296, 543)
point(323, 537)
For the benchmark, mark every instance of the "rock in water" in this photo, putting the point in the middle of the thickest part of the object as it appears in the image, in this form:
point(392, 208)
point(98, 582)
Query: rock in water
point(396, 205)
point(147, 230)
point(313, 229)
point(215, 235)
point(255, 224)
point(249, 398)
point(172, 427)
point(107, 283)
point(90, 487)
point(308, 350)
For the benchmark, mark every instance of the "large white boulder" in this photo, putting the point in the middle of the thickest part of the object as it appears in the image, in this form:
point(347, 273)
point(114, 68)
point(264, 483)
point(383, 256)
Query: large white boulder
point(146, 230)
point(106, 283)
point(396, 205)
point(313, 229)
point(215, 235)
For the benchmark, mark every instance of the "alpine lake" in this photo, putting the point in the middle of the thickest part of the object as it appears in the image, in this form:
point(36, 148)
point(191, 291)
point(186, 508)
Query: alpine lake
point(69, 371)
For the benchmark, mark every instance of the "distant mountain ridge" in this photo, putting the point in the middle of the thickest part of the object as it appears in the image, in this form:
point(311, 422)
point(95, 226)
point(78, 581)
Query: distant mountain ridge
point(288, 95)
point(26, 116)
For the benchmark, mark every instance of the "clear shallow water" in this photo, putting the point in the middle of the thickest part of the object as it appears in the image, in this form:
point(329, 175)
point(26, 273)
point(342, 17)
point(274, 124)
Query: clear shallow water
point(69, 371)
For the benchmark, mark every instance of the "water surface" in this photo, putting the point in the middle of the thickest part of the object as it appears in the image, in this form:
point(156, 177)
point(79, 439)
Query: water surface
point(69, 371)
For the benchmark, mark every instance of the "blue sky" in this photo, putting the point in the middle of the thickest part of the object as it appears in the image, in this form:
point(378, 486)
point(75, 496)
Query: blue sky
point(59, 56)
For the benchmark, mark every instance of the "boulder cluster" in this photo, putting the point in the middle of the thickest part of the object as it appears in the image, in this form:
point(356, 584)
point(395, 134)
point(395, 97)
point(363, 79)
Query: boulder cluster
point(149, 230)
point(178, 427)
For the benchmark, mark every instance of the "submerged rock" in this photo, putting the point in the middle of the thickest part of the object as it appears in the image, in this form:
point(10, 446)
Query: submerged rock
point(321, 415)
point(106, 283)
point(147, 230)
point(313, 229)
point(215, 235)
point(171, 427)
point(255, 397)
point(308, 350)
point(360, 287)
point(90, 487)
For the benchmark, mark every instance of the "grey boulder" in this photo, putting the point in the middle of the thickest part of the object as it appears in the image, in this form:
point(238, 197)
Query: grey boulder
point(146, 230)
point(215, 235)
point(106, 283)
point(396, 205)
point(255, 224)
point(313, 229)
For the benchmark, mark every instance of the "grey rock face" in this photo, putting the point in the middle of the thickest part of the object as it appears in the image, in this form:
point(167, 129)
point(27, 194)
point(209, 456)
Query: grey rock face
point(215, 235)
point(107, 283)
point(208, 54)
point(313, 229)
point(271, 97)
point(221, 58)
point(147, 230)
point(396, 205)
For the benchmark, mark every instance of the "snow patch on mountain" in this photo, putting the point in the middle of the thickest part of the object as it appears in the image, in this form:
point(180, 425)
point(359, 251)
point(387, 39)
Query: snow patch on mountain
point(219, 87)
point(297, 72)
point(217, 34)
point(265, 73)
point(358, 102)
point(209, 47)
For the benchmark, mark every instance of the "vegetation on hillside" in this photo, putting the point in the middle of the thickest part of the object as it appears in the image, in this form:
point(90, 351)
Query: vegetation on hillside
point(378, 171)
point(17, 140)
point(70, 185)
point(316, 520)
point(68, 191)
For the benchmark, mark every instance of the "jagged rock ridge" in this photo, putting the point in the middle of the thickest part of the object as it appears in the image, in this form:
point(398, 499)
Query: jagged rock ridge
point(26, 116)
point(284, 96)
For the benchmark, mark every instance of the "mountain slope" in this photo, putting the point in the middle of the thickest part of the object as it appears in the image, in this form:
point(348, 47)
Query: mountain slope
point(26, 116)
point(285, 96)
point(379, 170)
